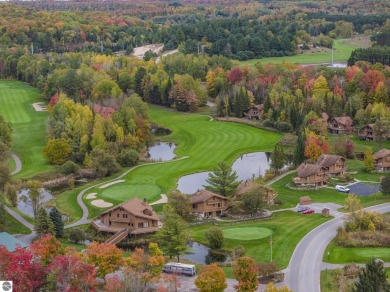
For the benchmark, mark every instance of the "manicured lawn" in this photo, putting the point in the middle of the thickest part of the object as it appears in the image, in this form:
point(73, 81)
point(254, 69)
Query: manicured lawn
point(12, 226)
point(29, 126)
point(345, 255)
point(205, 141)
point(342, 51)
point(247, 233)
point(360, 145)
point(287, 227)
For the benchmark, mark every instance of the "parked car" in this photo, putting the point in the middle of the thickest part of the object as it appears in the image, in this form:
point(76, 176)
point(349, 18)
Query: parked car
point(308, 211)
point(301, 209)
point(342, 189)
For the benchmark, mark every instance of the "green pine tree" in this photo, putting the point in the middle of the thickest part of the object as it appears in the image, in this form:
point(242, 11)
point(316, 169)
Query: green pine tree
point(43, 224)
point(278, 158)
point(56, 218)
point(372, 278)
point(299, 151)
point(223, 180)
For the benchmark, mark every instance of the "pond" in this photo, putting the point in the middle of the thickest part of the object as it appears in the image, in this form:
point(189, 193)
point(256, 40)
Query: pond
point(247, 166)
point(161, 151)
point(201, 254)
point(24, 202)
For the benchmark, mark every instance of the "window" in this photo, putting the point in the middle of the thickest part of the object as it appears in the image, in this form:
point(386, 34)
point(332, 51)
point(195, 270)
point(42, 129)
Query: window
point(117, 215)
point(194, 206)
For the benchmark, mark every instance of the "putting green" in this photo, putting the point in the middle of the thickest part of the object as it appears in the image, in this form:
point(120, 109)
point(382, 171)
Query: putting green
point(119, 192)
point(247, 233)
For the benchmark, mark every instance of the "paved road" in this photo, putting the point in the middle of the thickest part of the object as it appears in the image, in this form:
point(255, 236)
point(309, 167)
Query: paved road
point(19, 218)
point(84, 219)
point(303, 271)
point(18, 163)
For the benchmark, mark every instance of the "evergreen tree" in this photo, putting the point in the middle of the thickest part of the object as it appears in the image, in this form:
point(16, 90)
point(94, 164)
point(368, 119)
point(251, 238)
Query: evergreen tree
point(138, 79)
point(2, 216)
point(372, 278)
point(174, 235)
point(223, 180)
point(58, 223)
point(278, 158)
point(385, 184)
point(43, 224)
point(299, 151)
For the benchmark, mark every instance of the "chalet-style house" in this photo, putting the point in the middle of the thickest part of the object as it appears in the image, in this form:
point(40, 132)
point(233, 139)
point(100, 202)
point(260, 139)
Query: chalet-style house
point(310, 175)
point(207, 204)
point(382, 159)
point(130, 218)
point(334, 165)
point(253, 113)
point(367, 132)
point(340, 125)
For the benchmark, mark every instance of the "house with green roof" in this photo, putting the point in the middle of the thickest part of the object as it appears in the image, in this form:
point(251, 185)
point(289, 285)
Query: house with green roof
point(11, 242)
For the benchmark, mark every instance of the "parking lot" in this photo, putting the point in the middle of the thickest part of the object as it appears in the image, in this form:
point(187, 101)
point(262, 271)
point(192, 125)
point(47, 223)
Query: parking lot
point(363, 190)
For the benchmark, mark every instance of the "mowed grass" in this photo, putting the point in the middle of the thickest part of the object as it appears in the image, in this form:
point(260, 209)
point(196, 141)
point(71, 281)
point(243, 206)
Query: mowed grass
point(360, 255)
point(13, 226)
point(247, 233)
point(342, 52)
point(287, 227)
point(29, 126)
point(206, 142)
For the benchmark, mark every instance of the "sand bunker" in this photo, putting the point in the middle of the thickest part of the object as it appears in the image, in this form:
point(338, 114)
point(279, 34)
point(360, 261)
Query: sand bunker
point(163, 200)
point(101, 203)
point(91, 196)
point(40, 107)
point(111, 183)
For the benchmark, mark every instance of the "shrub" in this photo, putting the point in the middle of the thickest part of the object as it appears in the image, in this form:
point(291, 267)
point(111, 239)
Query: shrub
point(283, 127)
point(77, 235)
point(238, 252)
point(69, 167)
point(128, 158)
point(268, 123)
point(215, 237)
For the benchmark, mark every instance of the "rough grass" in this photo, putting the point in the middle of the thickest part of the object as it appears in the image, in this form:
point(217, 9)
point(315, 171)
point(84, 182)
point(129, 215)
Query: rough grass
point(29, 130)
point(361, 255)
point(327, 277)
point(342, 51)
point(287, 227)
point(206, 142)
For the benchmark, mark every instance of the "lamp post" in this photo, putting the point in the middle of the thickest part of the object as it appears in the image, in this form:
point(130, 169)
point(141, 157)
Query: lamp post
point(328, 255)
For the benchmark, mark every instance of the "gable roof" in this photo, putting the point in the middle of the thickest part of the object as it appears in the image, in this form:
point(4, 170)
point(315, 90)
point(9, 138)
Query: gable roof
point(203, 195)
point(137, 207)
point(326, 160)
point(343, 120)
point(10, 242)
point(306, 169)
point(381, 153)
point(368, 125)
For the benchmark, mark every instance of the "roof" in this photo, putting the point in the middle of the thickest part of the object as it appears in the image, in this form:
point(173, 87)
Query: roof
point(203, 195)
point(381, 153)
point(137, 207)
point(343, 120)
point(325, 116)
point(306, 169)
point(369, 125)
point(326, 160)
point(10, 242)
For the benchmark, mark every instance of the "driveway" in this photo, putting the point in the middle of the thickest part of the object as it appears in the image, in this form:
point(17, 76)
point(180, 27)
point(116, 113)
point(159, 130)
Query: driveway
point(363, 190)
point(303, 271)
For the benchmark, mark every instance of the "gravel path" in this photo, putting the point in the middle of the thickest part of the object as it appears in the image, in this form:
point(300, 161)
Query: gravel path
point(163, 200)
point(18, 163)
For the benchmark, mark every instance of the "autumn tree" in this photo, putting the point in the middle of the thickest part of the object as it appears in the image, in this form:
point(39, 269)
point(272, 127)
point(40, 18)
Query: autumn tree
point(278, 158)
point(254, 200)
point(272, 288)
point(211, 278)
point(47, 248)
point(369, 161)
point(57, 151)
point(181, 204)
point(174, 235)
point(246, 272)
point(56, 218)
point(223, 180)
point(313, 148)
point(215, 237)
point(105, 257)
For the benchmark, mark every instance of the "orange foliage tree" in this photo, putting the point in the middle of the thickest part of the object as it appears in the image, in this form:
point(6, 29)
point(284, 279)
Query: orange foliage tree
point(107, 258)
point(47, 248)
point(211, 279)
point(245, 271)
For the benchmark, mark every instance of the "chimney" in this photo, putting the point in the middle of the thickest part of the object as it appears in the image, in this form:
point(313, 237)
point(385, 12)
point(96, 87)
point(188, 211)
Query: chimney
point(144, 202)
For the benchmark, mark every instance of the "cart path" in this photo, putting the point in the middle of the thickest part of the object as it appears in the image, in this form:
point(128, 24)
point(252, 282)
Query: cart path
point(84, 219)
point(18, 163)
point(19, 218)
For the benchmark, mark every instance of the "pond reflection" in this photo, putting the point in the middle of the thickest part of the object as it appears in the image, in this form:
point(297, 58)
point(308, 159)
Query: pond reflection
point(161, 151)
point(201, 254)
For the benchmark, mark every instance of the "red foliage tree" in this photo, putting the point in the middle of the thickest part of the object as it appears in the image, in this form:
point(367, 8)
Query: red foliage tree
point(5, 257)
point(235, 75)
point(73, 274)
point(27, 273)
